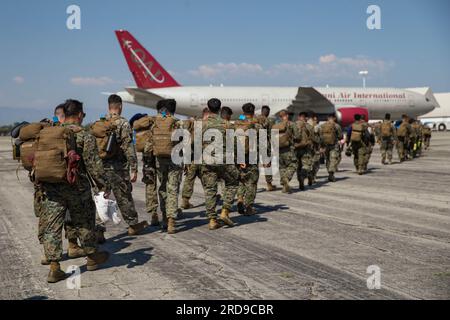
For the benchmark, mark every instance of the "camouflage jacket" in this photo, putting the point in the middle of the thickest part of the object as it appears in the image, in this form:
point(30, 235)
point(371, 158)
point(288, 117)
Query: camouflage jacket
point(126, 158)
point(215, 122)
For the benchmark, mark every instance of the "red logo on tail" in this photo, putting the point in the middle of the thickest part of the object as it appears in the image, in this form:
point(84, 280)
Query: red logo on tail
point(147, 72)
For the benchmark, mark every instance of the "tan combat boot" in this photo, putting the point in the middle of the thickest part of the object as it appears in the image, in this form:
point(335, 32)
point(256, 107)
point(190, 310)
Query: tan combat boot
point(185, 204)
point(225, 217)
point(270, 187)
point(286, 188)
point(56, 274)
point(96, 259)
point(134, 230)
point(213, 224)
point(171, 226)
point(155, 220)
point(75, 251)
point(45, 261)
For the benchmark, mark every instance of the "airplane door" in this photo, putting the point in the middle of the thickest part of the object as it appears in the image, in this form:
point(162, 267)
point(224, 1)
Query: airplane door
point(265, 101)
point(194, 100)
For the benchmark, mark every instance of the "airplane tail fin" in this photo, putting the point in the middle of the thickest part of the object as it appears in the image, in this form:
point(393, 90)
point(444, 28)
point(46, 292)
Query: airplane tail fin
point(147, 72)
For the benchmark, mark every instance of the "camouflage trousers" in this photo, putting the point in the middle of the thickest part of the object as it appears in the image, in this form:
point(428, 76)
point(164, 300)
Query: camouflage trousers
point(193, 171)
point(150, 180)
point(122, 190)
point(287, 165)
point(426, 141)
point(305, 163)
point(248, 184)
point(386, 147)
point(169, 176)
point(269, 178)
point(315, 163)
point(37, 206)
point(359, 155)
point(210, 175)
point(57, 199)
point(332, 157)
point(401, 148)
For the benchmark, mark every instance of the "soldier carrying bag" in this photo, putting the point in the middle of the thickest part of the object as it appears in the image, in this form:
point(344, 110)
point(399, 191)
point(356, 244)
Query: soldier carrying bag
point(328, 133)
point(241, 129)
point(56, 147)
point(357, 132)
point(28, 136)
point(104, 132)
point(386, 129)
point(142, 128)
point(162, 136)
point(284, 134)
point(305, 136)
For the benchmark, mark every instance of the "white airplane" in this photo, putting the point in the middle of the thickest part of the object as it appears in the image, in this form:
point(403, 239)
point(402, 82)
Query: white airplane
point(155, 83)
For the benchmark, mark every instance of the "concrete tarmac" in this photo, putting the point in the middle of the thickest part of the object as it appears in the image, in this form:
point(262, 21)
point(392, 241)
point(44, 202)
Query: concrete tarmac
point(316, 244)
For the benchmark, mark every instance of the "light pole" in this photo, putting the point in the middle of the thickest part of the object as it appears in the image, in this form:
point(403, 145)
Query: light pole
point(364, 73)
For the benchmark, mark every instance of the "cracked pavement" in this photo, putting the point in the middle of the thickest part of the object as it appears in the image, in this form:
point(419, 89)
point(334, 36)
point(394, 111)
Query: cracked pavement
point(308, 245)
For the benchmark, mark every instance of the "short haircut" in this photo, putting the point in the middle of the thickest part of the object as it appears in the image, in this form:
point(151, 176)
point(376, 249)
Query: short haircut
point(114, 99)
point(331, 115)
point(171, 105)
point(248, 108)
point(404, 116)
point(387, 116)
point(283, 113)
point(312, 114)
point(59, 107)
point(265, 110)
point(72, 108)
point(205, 111)
point(160, 105)
point(226, 111)
point(214, 105)
point(357, 117)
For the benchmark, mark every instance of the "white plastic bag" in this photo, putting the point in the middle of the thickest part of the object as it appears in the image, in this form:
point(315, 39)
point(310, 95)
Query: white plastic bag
point(106, 209)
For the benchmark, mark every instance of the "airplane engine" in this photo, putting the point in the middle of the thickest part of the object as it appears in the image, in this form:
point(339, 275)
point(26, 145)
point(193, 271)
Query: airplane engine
point(345, 115)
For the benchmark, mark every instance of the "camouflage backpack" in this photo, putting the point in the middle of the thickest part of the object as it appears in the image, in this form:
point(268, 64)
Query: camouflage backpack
point(285, 135)
point(305, 136)
point(142, 128)
point(162, 130)
point(402, 130)
point(104, 130)
point(328, 133)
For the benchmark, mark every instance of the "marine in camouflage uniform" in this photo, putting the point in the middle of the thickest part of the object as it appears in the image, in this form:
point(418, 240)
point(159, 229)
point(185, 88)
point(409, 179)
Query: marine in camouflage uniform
point(248, 172)
point(403, 136)
point(426, 136)
point(212, 171)
point(57, 198)
point(304, 153)
point(267, 123)
point(359, 147)
point(386, 137)
point(315, 148)
point(331, 149)
point(288, 160)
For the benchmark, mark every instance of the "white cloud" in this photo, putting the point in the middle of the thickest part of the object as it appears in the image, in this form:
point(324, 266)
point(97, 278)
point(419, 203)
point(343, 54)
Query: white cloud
point(19, 79)
point(328, 66)
point(226, 70)
point(91, 81)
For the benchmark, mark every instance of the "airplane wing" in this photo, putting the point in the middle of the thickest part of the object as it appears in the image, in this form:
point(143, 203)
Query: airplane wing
point(309, 99)
point(139, 94)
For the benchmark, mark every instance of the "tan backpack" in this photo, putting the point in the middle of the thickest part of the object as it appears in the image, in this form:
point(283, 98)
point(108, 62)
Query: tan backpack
point(328, 133)
point(162, 136)
point(102, 130)
point(28, 135)
point(386, 129)
point(305, 136)
point(284, 134)
point(402, 130)
point(50, 161)
point(357, 131)
point(142, 128)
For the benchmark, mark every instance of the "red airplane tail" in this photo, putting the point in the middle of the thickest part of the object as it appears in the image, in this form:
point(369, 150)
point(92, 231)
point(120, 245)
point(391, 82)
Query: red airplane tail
point(147, 72)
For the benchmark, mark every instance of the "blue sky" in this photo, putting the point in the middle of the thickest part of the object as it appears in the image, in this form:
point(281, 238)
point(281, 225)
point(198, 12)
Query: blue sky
point(288, 43)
